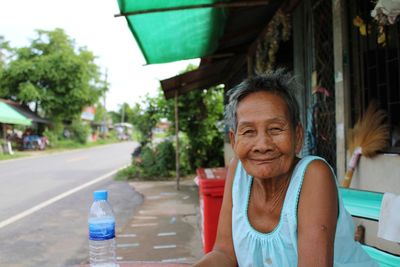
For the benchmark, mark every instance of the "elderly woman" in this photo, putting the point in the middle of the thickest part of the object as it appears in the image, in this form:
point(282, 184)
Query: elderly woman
point(278, 209)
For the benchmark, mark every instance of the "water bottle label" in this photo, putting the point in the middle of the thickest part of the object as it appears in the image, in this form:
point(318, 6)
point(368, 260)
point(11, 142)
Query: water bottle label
point(101, 230)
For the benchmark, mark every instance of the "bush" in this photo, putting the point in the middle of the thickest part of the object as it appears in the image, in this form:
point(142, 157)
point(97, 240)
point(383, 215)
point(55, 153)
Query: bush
point(165, 157)
point(52, 137)
point(152, 164)
point(80, 131)
point(184, 166)
point(131, 172)
point(148, 164)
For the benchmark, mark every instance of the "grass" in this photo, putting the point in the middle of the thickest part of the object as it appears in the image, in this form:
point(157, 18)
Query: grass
point(134, 173)
point(60, 146)
point(14, 156)
point(71, 144)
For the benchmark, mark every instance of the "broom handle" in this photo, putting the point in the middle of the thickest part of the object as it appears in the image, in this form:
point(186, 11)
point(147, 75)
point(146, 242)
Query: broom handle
point(352, 165)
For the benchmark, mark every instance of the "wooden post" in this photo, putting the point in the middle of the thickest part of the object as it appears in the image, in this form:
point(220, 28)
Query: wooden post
point(177, 140)
point(342, 86)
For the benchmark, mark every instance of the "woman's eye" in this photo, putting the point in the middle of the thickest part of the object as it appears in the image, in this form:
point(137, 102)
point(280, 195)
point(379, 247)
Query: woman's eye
point(248, 132)
point(275, 130)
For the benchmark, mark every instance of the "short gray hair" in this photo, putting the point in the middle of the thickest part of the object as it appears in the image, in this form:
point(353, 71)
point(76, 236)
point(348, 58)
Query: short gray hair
point(279, 82)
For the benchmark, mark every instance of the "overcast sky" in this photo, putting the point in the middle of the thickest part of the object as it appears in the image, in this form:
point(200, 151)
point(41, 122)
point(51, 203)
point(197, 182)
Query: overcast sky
point(90, 23)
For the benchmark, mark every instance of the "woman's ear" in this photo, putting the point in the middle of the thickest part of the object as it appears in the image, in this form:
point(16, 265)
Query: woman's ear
point(232, 138)
point(299, 138)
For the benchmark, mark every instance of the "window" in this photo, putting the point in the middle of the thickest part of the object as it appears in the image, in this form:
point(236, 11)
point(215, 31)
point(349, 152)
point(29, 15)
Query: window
point(374, 69)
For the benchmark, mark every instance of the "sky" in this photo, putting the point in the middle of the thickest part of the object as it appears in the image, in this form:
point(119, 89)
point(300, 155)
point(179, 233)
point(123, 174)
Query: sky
point(91, 23)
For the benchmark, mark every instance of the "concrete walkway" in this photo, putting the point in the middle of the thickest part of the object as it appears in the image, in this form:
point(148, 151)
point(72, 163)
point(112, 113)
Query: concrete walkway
point(166, 227)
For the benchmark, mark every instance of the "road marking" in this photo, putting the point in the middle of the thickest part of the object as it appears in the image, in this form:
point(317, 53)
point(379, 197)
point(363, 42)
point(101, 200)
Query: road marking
point(174, 260)
point(143, 224)
point(131, 245)
point(56, 198)
point(126, 235)
point(165, 246)
point(166, 234)
point(145, 217)
point(185, 197)
point(120, 258)
point(76, 159)
point(153, 197)
point(168, 194)
point(149, 212)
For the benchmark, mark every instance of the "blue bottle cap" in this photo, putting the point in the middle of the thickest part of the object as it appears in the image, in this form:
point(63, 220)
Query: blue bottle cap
point(100, 195)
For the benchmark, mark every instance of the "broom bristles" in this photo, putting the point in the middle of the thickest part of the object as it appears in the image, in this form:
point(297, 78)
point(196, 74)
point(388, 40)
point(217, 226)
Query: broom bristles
point(371, 132)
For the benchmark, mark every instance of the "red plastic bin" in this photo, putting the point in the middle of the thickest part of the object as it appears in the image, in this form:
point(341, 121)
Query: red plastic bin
point(211, 184)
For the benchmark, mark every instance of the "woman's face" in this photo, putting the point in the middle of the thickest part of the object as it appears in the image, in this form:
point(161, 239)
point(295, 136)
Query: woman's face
point(265, 141)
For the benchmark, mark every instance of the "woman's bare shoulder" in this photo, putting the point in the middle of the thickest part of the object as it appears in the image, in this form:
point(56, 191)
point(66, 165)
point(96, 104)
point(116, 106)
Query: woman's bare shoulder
point(319, 183)
point(319, 169)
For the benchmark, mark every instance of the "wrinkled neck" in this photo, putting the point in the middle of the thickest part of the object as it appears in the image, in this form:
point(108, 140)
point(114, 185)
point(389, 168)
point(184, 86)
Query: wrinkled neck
point(275, 187)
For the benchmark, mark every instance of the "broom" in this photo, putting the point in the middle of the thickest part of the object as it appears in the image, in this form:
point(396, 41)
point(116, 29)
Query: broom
point(370, 134)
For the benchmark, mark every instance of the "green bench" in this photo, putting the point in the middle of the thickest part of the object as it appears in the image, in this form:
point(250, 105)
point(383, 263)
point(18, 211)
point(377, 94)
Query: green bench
point(367, 205)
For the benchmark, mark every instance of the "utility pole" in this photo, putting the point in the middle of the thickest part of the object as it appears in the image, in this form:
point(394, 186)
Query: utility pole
point(177, 141)
point(105, 109)
point(122, 113)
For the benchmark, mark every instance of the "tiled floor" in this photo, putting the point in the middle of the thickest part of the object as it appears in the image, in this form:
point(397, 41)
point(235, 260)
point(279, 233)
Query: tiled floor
point(166, 227)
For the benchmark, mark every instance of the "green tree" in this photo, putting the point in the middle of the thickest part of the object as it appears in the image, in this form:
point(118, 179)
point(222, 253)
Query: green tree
point(101, 113)
point(115, 116)
point(55, 74)
point(199, 114)
point(5, 50)
point(145, 116)
point(200, 117)
point(125, 113)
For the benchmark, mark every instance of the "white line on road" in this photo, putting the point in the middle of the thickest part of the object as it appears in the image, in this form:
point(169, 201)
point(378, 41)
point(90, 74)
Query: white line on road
point(174, 260)
point(132, 245)
point(126, 235)
point(146, 217)
point(164, 246)
point(143, 224)
point(147, 212)
point(55, 199)
point(166, 234)
point(153, 197)
point(168, 194)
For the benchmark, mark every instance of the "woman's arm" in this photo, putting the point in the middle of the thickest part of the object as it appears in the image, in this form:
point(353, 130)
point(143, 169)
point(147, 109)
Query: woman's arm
point(317, 216)
point(223, 253)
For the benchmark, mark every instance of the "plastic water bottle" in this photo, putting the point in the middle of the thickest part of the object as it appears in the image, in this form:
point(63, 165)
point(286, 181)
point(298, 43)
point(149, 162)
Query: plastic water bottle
point(101, 224)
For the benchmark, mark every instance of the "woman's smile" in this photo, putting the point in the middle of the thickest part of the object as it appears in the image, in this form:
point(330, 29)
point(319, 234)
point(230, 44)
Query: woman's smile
point(263, 161)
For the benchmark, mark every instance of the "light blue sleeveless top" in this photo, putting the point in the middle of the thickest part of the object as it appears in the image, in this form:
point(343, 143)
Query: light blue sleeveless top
point(279, 247)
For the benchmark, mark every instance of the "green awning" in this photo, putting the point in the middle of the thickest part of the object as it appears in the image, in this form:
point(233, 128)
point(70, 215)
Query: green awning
point(172, 30)
point(9, 116)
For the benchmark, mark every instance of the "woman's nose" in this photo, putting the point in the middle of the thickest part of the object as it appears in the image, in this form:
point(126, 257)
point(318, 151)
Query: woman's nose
point(263, 143)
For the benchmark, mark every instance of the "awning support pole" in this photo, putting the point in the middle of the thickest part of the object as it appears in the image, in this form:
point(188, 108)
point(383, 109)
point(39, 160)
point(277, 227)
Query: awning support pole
point(177, 141)
point(216, 5)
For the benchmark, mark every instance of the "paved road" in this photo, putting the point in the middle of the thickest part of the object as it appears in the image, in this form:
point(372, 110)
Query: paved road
point(44, 203)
